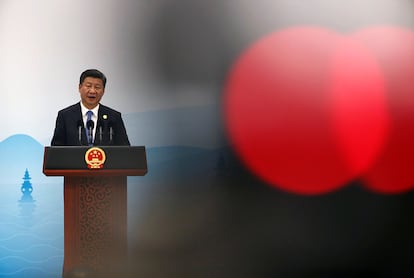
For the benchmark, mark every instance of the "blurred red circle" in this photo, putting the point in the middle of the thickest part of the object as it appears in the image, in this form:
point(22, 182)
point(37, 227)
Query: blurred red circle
point(305, 109)
point(393, 48)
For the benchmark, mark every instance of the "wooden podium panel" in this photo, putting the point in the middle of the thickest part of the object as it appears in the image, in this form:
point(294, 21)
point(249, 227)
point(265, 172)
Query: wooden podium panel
point(95, 206)
point(95, 222)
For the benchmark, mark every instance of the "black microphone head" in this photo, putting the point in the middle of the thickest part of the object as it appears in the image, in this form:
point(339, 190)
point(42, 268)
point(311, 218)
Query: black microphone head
point(79, 124)
point(90, 124)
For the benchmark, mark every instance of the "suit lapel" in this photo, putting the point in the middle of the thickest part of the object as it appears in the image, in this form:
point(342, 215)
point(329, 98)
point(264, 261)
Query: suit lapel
point(100, 122)
point(79, 118)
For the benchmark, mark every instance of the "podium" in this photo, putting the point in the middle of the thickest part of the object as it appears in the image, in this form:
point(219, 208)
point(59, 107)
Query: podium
point(95, 202)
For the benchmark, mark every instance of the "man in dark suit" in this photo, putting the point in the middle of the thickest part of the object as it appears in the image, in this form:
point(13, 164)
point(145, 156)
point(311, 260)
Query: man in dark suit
point(89, 122)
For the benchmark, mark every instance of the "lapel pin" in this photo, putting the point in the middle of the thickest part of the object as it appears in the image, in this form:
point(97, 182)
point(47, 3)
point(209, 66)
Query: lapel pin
point(105, 117)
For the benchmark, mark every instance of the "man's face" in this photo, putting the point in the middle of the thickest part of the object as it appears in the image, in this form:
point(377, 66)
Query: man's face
point(91, 91)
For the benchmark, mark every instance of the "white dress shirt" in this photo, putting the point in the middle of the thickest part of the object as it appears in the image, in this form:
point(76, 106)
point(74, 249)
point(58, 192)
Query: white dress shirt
point(94, 117)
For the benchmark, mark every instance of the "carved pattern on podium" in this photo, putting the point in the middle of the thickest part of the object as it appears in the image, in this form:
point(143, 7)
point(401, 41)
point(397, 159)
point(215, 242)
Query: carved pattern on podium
point(95, 225)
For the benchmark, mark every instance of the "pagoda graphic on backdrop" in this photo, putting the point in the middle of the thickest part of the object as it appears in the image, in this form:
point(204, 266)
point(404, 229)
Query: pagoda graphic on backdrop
point(26, 188)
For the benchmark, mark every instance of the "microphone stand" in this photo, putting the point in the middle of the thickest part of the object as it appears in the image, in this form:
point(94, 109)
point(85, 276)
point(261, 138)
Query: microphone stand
point(80, 135)
point(100, 134)
point(90, 125)
point(80, 132)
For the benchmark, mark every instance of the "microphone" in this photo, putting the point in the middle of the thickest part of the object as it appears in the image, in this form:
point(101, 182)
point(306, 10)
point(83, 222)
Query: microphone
point(80, 132)
point(100, 132)
point(90, 124)
point(111, 134)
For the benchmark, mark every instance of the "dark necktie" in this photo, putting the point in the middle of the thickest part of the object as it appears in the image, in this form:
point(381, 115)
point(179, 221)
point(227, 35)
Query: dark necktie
point(89, 127)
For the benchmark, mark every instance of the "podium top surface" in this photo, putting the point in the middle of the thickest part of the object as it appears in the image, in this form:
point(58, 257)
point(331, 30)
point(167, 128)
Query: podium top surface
point(74, 161)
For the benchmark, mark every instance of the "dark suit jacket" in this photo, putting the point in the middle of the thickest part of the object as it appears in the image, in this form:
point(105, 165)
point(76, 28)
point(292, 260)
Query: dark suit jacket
point(110, 129)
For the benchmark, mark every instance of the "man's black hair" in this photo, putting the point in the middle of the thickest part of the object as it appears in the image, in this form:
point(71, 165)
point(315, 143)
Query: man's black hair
point(93, 73)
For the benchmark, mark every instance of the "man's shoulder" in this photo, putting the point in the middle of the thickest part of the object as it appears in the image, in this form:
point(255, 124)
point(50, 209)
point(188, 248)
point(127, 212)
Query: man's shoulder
point(70, 109)
point(107, 110)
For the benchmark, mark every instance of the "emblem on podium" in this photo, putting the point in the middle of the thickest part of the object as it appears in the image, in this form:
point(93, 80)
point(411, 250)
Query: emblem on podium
point(95, 158)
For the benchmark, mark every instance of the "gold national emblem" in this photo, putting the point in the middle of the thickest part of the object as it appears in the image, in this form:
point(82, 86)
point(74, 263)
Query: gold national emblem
point(95, 158)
